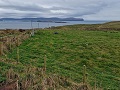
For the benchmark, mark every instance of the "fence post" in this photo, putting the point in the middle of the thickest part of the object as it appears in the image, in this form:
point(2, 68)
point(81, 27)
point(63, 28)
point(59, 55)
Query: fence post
point(17, 86)
point(18, 54)
point(84, 74)
point(17, 41)
point(33, 32)
point(95, 85)
point(11, 43)
point(45, 63)
point(1, 48)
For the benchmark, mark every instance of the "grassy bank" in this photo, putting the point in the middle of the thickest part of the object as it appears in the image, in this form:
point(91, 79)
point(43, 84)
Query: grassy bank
point(66, 50)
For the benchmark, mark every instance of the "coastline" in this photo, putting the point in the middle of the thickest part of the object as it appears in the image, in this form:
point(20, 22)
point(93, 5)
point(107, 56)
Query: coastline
point(30, 25)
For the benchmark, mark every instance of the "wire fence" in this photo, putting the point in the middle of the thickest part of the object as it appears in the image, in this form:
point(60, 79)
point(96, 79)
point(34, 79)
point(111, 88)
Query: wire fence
point(7, 43)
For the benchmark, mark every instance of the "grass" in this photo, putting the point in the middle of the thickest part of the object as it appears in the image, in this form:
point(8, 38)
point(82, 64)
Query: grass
point(67, 52)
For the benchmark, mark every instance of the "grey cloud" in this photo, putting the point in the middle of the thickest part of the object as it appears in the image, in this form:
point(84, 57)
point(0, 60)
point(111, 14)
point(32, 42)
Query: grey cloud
point(89, 9)
point(23, 7)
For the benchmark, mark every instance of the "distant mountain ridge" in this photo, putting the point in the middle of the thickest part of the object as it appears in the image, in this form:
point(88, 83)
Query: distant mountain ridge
point(42, 19)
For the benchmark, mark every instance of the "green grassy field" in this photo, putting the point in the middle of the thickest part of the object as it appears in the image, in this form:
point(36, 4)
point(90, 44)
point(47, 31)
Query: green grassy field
point(67, 52)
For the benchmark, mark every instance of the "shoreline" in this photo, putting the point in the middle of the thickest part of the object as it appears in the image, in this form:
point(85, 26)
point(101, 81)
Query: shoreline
point(30, 25)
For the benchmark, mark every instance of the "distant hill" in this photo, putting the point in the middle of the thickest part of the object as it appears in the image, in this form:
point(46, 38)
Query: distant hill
point(73, 19)
point(42, 19)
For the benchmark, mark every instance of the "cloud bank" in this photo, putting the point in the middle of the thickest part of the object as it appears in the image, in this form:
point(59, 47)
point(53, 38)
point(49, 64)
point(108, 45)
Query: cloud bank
point(87, 9)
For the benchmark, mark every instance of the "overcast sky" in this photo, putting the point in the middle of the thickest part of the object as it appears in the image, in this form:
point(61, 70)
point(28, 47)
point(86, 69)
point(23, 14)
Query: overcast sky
point(87, 9)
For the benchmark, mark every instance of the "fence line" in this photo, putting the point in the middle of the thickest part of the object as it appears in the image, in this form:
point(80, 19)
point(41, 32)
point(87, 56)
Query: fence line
point(8, 42)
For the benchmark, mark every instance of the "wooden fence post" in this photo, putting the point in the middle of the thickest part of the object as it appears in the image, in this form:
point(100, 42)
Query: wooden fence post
point(1, 48)
point(18, 54)
point(17, 41)
point(33, 32)
point(11, 39)
point(45, 63)
point(95, 85)
point(10, 43)
point(84, 74)
point(17, 86)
